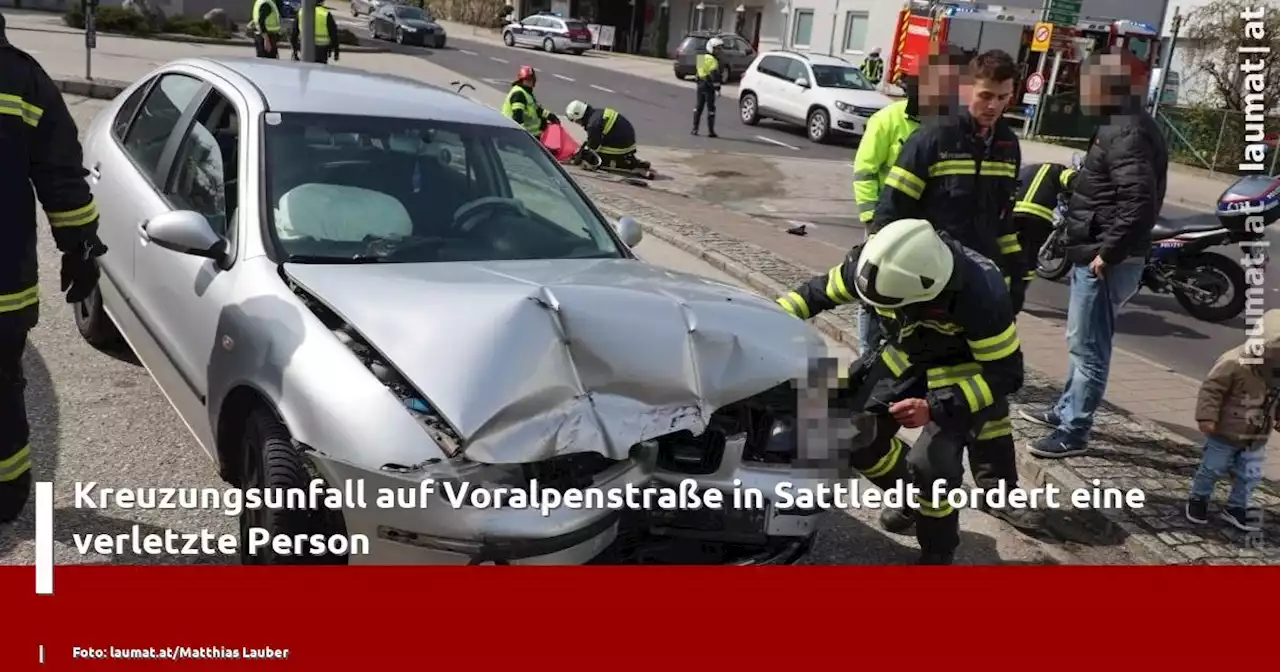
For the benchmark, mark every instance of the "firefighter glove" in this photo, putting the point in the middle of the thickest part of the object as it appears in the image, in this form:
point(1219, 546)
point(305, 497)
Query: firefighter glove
point(80, 270)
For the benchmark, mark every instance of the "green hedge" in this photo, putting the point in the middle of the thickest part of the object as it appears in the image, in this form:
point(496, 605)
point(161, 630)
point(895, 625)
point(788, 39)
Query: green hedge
point(126, 22)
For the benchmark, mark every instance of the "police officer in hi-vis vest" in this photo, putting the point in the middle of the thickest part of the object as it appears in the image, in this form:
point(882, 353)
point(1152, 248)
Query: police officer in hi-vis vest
point(266, 39)
point(710, 74)
point(326, 35)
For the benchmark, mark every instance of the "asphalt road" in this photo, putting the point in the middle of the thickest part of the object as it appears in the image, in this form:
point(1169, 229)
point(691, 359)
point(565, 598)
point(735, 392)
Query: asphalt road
point(661, 112)
point(100, 418)
point(1152, 325)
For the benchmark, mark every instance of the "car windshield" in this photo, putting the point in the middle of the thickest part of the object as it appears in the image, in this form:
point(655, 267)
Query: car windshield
point(345, 188)
point(412, 13)
point(841, 77)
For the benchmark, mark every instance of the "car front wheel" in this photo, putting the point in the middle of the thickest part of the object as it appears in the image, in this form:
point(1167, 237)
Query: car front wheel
point(270, 462)
point(819, 125)
point(549, 46)
point(509, 39)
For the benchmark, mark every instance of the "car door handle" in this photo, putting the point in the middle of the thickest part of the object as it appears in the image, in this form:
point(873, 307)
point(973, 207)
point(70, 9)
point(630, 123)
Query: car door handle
point(96, 171)
point(142, 230)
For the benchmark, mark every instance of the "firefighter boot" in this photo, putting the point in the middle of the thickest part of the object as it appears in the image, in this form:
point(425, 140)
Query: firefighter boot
point(938, 536)
point(897, 521)
point(13, 496)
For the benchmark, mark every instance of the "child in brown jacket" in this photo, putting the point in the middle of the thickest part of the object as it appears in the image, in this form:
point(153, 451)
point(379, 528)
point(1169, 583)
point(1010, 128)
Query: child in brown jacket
point(1236, 410)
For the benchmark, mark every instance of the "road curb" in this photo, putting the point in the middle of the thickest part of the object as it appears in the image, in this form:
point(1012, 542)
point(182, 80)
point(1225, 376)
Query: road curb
point(101, 89)
point(1114, 526)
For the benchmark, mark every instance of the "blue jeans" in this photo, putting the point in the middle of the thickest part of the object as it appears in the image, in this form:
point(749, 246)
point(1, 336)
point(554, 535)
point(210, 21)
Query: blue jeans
point(1091, 324)
point(1220, 459)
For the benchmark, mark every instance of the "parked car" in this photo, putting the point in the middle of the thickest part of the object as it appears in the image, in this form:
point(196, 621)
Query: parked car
point(549, 32)
point(826, 94)
point(407, 25)
point(368, 7)
point(345, 275)
point(736, 55)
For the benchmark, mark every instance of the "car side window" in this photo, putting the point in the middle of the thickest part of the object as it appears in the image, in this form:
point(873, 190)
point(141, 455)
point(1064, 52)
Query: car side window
point(796, 70)
point(774, 66)
point(207, 165)
point(120, 125)
point(157, 119)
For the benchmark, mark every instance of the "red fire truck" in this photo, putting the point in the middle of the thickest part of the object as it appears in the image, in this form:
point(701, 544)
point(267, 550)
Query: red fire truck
point(923, 25)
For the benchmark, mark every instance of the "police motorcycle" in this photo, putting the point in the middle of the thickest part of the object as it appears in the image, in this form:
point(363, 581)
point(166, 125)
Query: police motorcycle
point(1181, 263)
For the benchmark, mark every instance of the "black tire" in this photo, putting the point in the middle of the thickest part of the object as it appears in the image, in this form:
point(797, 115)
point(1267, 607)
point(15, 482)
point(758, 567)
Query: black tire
point(549, 46)
point(818, 126)
point(681, 77)
point(749, 109)
point(1217, 269)
point(1054, 268)
point(509, 39)
point(269, 460)
point(94, 325)
point(576, 52)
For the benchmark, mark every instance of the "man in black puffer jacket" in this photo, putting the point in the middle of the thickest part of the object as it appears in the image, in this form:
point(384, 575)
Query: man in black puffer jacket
point(1116, 201)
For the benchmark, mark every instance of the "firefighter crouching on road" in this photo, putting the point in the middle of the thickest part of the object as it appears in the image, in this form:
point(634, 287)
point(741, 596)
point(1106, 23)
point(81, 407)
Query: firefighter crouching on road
point(1039, 186)
point(609, 134)
point(41, 150)
point(266, 18)
point(931, 94)
point(326, 35)
point(523, 108)
point(709, 77)
point(948, 362)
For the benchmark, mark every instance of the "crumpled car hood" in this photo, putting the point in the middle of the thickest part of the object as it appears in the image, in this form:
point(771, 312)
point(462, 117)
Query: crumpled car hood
point(533, 359)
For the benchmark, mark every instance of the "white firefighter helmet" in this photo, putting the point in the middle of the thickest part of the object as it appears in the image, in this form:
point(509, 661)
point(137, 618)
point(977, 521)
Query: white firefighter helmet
point(714, 43)
point(905, 262)
point(575, 111)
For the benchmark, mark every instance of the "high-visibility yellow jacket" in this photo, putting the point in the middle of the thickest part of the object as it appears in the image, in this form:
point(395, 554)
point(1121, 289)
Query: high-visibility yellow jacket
point(886, 131)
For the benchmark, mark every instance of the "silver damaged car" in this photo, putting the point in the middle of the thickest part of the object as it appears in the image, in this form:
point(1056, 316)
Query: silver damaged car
point(339, 275)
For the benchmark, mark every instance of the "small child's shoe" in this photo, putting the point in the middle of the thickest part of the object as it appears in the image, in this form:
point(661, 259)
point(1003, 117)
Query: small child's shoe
point(1241, 518)
point(1197, 510)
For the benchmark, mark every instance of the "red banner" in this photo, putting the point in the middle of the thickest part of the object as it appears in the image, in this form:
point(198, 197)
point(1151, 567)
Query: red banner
point(560, 618)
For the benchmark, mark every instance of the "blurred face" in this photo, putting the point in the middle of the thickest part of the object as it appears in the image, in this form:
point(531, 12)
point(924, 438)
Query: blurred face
point(938, 86)
point(1103, 85)
point(988, 99)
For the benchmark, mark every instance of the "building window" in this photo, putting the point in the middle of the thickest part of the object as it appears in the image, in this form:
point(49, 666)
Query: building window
point(855, 31)
point(711, 17)
point(802, 28)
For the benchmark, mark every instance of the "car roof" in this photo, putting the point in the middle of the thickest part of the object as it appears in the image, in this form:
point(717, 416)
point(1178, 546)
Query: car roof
point(811, 59)
point(331, 89)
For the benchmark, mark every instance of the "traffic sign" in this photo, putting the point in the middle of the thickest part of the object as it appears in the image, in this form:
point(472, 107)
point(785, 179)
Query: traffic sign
point(1042, 37)
point(1064, 12)
point(1035, 83)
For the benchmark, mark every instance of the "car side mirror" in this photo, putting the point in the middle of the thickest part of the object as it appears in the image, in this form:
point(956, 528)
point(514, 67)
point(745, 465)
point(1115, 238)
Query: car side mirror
point(802, 82)
point(186, 232)
point(630, 231)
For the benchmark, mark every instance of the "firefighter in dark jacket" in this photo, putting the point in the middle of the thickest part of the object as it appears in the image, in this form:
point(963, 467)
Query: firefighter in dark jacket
point(609, 135)
point(1039, 187)
point(41, 150)
point(960, 172)
point(326, 35)
point(949, 359)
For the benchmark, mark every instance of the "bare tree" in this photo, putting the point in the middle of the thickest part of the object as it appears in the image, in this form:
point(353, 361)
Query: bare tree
point(1213, 37)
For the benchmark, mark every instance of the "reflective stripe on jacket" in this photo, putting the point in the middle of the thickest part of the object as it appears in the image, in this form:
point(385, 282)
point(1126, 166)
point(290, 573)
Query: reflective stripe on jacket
point(873, 68)
point(610, 133)
point(273, 17)
point(878, 150)
point(1039, 185)
point(41, 149)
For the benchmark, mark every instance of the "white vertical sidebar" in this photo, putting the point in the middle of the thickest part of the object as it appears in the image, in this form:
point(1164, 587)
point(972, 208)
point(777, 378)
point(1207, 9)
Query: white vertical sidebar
point(44, 538)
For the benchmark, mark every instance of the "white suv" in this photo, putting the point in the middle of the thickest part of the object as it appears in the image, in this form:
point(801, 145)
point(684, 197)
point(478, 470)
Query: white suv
point(825, 94)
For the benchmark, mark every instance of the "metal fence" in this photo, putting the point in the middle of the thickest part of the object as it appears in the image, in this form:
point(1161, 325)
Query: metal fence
point(1214, 139)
